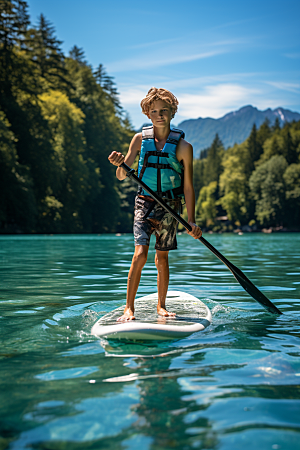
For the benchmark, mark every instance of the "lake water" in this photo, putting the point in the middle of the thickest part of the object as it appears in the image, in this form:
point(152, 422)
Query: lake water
point(233, 386)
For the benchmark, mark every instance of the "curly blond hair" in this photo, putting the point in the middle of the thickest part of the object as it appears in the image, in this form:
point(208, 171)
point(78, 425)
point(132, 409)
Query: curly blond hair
point(159, 94)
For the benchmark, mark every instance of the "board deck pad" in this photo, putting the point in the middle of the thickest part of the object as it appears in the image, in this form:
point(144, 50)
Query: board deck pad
point(192, 315)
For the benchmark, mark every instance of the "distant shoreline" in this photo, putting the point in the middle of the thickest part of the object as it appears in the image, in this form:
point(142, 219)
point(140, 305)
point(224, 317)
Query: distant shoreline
point(236, 231)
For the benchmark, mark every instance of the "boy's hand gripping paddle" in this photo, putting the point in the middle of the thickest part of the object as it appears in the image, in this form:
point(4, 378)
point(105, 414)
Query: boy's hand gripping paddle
point(238, 274)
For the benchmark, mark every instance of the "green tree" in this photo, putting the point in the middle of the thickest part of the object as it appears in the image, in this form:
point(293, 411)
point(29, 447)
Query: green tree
point(289, 149)
point(263, 133)
point(199, 173)
point(108, 85)
point(14, 21)
point(276, 126)
point(75, 180)
point(48, 57)
point(292, 181)
point(78, 55)
point(234, 185)
point(17, 202)
point(268, 189)
point(254, 148)
point(206, 210)
point(213, 168)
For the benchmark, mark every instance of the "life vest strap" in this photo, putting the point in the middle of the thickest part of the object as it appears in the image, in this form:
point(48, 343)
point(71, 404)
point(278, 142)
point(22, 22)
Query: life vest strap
point(154, 165)
point(148, 132)
point(174, 136)
point(159, 153)
point(160, 166)
point(144, 165)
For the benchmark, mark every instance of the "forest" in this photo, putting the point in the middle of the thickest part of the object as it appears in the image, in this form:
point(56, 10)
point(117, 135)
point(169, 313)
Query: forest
point(60, 119)
point(254, 185)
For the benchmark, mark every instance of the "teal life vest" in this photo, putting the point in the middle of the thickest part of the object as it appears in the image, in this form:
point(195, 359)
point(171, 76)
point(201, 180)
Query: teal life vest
point(160, 169)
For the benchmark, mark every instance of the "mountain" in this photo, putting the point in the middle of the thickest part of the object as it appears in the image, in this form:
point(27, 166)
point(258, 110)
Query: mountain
point(232, 128)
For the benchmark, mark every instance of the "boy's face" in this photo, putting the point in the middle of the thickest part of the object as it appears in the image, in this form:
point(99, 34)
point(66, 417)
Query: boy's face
point(160, 113)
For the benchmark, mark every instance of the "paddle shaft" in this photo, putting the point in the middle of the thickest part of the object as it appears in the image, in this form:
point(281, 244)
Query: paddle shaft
point(237, 273)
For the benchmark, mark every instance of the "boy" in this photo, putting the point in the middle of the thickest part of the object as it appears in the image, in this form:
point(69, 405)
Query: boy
point(164, 154)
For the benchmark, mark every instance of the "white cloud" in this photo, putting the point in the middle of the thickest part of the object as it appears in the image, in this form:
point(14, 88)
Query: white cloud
point(215, 101)
point(132, 96)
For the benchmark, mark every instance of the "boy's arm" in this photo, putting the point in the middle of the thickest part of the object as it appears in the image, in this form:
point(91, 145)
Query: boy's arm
point(116, 158)
point(185, 154)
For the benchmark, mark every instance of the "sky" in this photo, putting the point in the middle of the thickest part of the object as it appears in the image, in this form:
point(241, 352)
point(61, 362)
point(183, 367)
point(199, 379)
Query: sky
point(216, 56)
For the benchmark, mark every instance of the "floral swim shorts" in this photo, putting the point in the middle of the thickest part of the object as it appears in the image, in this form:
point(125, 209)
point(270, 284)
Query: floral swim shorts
point(152, 218)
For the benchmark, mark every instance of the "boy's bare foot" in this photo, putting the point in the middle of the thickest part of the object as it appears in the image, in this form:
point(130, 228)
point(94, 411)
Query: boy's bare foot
point(128, 315)
point(163, 312)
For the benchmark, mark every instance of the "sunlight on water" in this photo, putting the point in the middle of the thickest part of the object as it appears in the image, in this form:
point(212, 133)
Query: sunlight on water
point(230, 386)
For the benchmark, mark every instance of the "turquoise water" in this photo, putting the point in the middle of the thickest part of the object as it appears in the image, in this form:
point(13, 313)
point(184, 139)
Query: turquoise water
point(233, 386)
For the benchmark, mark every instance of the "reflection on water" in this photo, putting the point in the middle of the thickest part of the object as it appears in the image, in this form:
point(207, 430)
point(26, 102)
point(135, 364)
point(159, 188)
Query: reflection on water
point(235, 383)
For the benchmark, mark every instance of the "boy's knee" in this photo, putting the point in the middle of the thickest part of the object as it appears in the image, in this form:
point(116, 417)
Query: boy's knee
point(140, 254)
point(161, 258)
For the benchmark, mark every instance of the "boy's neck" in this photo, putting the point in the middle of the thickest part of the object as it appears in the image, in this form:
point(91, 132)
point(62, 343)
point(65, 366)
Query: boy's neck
point(161, 133)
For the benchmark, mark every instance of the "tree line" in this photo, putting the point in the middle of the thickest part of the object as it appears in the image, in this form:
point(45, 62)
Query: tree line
point(255, 184)
point(59, 120)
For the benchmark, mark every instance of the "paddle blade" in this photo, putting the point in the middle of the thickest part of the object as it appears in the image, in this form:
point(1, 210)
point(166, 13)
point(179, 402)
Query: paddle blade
point(243, 280)
point(254, 292)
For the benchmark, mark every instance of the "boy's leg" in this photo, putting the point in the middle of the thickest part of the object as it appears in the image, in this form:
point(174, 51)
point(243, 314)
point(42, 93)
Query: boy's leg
point(138, 261)
point(162, 265)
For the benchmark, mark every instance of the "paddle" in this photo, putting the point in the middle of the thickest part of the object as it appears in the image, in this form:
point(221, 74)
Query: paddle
point(238, 274)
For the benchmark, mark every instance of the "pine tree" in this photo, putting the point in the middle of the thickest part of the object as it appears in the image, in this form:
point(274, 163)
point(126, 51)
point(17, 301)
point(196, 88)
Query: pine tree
point(276, 126)
point(101, 75)
point(289, 150)
point(108, 85)
point(203, 153)
point(264, 132)
point(17, 203)
point(48, 56)
point(78, 55)
point(14, 21)
point(213, 167)
point(254, 147)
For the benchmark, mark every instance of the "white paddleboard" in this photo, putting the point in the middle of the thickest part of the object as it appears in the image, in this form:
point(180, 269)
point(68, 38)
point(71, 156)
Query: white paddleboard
point(191, 315)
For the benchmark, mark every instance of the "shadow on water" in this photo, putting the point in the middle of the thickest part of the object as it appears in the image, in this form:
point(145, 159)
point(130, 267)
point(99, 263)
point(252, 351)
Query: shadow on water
point(235, 383)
